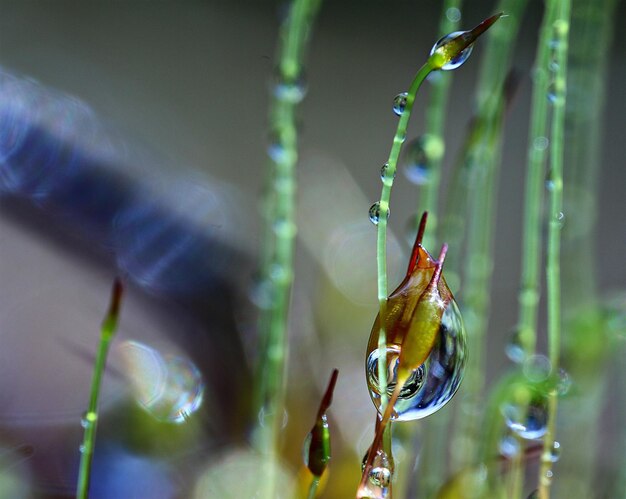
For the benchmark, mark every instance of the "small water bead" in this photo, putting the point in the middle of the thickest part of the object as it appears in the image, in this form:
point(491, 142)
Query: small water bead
point(564, 383)
point(559, 218)
point(382, 469)
point(261, 292)
point(420, 154)
point(509, 446)
point(530, 420)
point(514, 349)
point(88, 418)
point(374, 213)
point(383, 172)
point(399, 103)
point(460, 58)
point(555, 452)
point(552, 94)
point(453, 15)
point(435, 382)
point(291, 91)
point(541, 143)
point(537, 368)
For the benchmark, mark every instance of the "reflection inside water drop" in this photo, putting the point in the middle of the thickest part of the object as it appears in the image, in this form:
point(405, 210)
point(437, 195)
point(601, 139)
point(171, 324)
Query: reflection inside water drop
point(170, 388)
point(435, 382)
point(457, 61)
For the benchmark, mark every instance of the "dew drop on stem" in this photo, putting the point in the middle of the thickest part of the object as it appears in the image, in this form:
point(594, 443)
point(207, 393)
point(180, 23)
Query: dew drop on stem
point(374, 213)
point(399, 103)
point(457, 61)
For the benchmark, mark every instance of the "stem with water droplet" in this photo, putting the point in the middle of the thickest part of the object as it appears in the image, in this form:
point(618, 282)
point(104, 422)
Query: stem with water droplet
point(279, 236)
point(90, 419)
point(560, 27)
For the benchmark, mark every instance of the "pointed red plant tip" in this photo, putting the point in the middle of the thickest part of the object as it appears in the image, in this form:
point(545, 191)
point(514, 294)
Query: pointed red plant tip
point(484, 26)
point(434, 281)
point(328, 396)
point(116, 298)
point(418, 242)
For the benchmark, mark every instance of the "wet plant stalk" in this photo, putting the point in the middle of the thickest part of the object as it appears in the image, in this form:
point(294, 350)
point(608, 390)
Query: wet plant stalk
point(533, 206)
point(280, 231)
point(471, 203)
point(315, 481)
point(90, 418)
point(560, 28)
point(381, 241)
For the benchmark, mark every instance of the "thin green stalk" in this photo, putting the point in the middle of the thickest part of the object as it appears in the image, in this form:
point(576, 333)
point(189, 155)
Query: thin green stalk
point(434, 130)
point(280, 231)
point(560, 28)
point(471, 205)
point(533, 203)
point(90, 418)
point(535, 180)
point(383, 212)
point(315, 481)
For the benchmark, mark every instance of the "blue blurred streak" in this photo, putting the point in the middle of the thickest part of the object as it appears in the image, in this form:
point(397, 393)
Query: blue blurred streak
point(169, 235)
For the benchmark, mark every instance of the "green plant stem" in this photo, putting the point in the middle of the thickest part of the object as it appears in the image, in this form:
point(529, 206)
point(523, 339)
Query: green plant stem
point(428, 197)
point(90, 418)
point(315, 481)
point(280, 231)
point(471, 205)
point(560, 28)
point(381, 241)
point(533, 205)
point(535, 180)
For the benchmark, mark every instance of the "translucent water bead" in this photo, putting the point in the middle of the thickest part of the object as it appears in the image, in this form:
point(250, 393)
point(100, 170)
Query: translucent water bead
point(374, 213)
point(380, 476)
point(435, 382)
point(399, 103)
point(460, 58)
point(528, 420)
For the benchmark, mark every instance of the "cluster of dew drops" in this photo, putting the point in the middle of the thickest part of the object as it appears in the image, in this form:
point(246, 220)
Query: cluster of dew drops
point(421, 151)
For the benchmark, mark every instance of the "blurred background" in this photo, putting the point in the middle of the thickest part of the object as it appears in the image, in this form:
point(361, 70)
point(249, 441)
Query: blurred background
point(140, 132)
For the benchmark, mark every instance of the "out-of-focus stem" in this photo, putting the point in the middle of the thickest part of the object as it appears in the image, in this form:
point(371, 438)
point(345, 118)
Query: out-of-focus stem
point(280, 231)
point(559, 40)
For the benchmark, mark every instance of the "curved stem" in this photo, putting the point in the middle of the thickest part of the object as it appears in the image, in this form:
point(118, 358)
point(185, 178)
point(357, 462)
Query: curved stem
point(381, 241)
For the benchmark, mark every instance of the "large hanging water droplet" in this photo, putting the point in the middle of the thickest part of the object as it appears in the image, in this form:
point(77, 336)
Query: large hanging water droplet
point(399, 103)
point(374, 213)
point(457, 61)
point(435, 382)
point(530, 420)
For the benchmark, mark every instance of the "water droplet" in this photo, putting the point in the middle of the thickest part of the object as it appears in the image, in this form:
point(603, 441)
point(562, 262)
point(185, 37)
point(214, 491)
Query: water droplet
point(527, 420)
point(276, 151)
point(551, 93)
point(564, 383)
point(284, 227)
point(418, 158)
point(559, 219)
point(290, 91)
point(399, 103)
point(514, 349)
point(82, 448)
point(374, 213)
point(555, 452)
point(457, 61)
point(541, 143)
point(435, 382)
point(382, 469)
point(509, 446)
point(550, 181)
point(261, 291)
point(383, 172)
point(88, 418)
point(537, 368)
point(453, 14)
point(170, 388)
